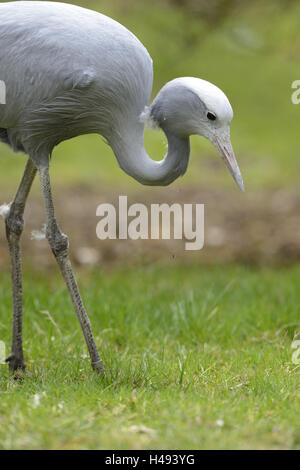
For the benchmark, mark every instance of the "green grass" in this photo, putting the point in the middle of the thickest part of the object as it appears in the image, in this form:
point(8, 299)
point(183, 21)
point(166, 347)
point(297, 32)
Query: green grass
point(195, 358)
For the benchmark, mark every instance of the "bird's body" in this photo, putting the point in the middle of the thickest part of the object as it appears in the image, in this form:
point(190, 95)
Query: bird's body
point(69, 71)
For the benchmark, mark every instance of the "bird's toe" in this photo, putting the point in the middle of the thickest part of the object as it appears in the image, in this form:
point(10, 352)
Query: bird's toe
point(15, 363)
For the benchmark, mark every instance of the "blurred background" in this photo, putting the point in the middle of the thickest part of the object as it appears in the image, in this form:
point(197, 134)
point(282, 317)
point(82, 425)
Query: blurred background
point(251, 50)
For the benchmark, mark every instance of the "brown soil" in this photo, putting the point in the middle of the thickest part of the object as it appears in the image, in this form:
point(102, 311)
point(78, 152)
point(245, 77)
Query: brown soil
point(251, 228)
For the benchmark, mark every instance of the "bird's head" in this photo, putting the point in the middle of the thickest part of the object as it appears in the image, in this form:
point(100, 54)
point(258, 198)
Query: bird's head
point(187, 106)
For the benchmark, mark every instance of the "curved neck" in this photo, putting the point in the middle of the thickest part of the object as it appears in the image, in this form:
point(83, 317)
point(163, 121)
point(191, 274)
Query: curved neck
point(132, 157)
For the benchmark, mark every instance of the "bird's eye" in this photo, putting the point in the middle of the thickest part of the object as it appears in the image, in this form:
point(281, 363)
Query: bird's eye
point(211, 116)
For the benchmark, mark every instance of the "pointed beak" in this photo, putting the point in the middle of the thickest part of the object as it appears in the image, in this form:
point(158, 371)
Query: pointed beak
point(224, 147)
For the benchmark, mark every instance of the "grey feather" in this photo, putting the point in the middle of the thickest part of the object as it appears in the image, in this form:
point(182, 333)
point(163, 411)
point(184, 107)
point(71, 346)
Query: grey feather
point(70, 71)
point(67, 68)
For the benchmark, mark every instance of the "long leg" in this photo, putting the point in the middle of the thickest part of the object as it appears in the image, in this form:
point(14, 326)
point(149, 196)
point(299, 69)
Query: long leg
point(14, 226)
point(59, 244)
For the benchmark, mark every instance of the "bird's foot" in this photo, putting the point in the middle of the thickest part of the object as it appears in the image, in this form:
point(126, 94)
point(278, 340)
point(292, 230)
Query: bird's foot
point(15, 363)
point(98, 367)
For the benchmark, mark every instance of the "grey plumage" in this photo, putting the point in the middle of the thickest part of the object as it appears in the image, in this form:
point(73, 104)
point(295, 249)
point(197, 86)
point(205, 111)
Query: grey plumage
point(69, 71)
